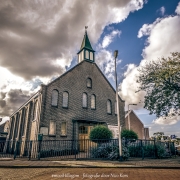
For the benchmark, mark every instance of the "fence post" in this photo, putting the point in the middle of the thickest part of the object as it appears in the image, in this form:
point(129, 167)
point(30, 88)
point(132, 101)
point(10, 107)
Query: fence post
point(39, 149)
point(154, 148)
point(174, 149)
point(74, 146)
point(169, 145)
point(142, 150)
point(15, 152)
point(30, 147)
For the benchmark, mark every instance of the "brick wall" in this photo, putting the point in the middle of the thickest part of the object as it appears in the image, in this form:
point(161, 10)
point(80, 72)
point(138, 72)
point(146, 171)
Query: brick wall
point(135, 124)
point(74, 82)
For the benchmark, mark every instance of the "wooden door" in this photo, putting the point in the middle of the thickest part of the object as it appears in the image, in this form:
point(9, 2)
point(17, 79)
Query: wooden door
point(84, 142)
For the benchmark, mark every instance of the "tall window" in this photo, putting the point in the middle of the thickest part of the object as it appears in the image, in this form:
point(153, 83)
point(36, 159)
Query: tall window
point(89, 83)
point(93, 101)
point(65, 99)
point(54, 98)
point(91, 56)
point(63, 129)
point(52, 127)
point(82, 55)
point(109, 107)
point(115, 107)
point(87, 54)
point(35, 110)
point(84, 100)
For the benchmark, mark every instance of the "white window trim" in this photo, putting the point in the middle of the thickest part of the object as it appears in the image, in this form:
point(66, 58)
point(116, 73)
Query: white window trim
point(67, 100)
point(53, 104)
point(110, 106)
point(94, 101)
point(65, 129)
point(83, 104)
point(51, 134)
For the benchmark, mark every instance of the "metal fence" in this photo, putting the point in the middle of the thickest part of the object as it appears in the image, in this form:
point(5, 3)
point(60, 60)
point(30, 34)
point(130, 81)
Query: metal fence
point(150, 148)
point(86, 149)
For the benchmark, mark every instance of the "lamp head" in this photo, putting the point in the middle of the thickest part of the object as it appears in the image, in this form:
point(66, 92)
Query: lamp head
point(115, 53)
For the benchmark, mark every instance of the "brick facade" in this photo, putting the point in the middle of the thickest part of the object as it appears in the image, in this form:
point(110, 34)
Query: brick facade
point(135, 124)
point(74, 82)
point(43, 114)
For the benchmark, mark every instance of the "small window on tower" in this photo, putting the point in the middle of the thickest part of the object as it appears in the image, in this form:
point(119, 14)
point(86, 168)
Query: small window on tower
point(82, 55)
point(87, 54)
point(91, 56)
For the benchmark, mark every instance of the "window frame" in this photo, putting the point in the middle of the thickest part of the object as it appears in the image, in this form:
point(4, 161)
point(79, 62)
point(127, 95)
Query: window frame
point(91, 55)
point(110, 104)
point(52, 98)
point(87, 81)
point(93, 108)
point(87, 54)
point(66, 107)
point(50, 128)
point(85, 107)
point(63, 135)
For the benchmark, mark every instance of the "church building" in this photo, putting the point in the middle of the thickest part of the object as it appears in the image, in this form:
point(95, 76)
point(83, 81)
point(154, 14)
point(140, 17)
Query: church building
point(69, 106)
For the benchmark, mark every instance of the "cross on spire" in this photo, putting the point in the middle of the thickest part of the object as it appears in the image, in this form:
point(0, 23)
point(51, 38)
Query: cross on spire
point(86, 28)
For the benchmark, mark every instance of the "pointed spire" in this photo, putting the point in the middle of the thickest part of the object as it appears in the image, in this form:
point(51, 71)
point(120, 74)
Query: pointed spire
point(86, 51)
point(86, 43)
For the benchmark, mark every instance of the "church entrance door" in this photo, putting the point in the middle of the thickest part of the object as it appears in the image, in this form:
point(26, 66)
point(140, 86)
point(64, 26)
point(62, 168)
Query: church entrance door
point(84, 142)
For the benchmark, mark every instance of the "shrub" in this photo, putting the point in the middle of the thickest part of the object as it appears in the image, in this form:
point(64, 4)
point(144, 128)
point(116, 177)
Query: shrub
point(100, 132)
point(110, 151)
point(129, 134)
point(147, 150)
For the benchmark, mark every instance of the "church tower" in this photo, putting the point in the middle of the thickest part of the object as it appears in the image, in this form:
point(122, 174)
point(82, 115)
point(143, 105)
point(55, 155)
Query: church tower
point(86, 51)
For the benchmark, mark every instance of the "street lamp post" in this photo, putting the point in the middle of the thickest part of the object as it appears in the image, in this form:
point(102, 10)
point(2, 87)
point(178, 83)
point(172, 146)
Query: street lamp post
point(129, 115)
point(117, 102)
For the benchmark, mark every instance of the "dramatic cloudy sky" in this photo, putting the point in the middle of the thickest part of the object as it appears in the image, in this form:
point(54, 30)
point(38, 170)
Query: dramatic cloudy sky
point(39, 40)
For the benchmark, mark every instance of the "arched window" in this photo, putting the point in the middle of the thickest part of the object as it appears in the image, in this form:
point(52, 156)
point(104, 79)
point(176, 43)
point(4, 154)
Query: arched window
point(65, 99)
point(93, 101)
point(54, 99)
point(109, 107)
point(89, 83)
point(84, 100)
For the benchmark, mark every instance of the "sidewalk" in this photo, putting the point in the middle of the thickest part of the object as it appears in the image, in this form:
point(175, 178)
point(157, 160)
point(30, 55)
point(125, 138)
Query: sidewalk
point(170, 163)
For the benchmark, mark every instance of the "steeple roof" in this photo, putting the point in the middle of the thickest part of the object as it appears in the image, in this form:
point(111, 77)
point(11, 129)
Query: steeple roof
point(86, 43)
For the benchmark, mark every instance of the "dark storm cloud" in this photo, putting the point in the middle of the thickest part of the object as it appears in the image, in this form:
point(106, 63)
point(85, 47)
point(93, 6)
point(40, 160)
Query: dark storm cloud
point(33, 34)
point(12, 100)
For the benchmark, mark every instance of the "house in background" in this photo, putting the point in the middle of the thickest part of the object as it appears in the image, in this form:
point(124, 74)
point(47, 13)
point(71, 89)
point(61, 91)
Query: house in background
point(68, 107)
point(4, 128)
point(136, 125)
